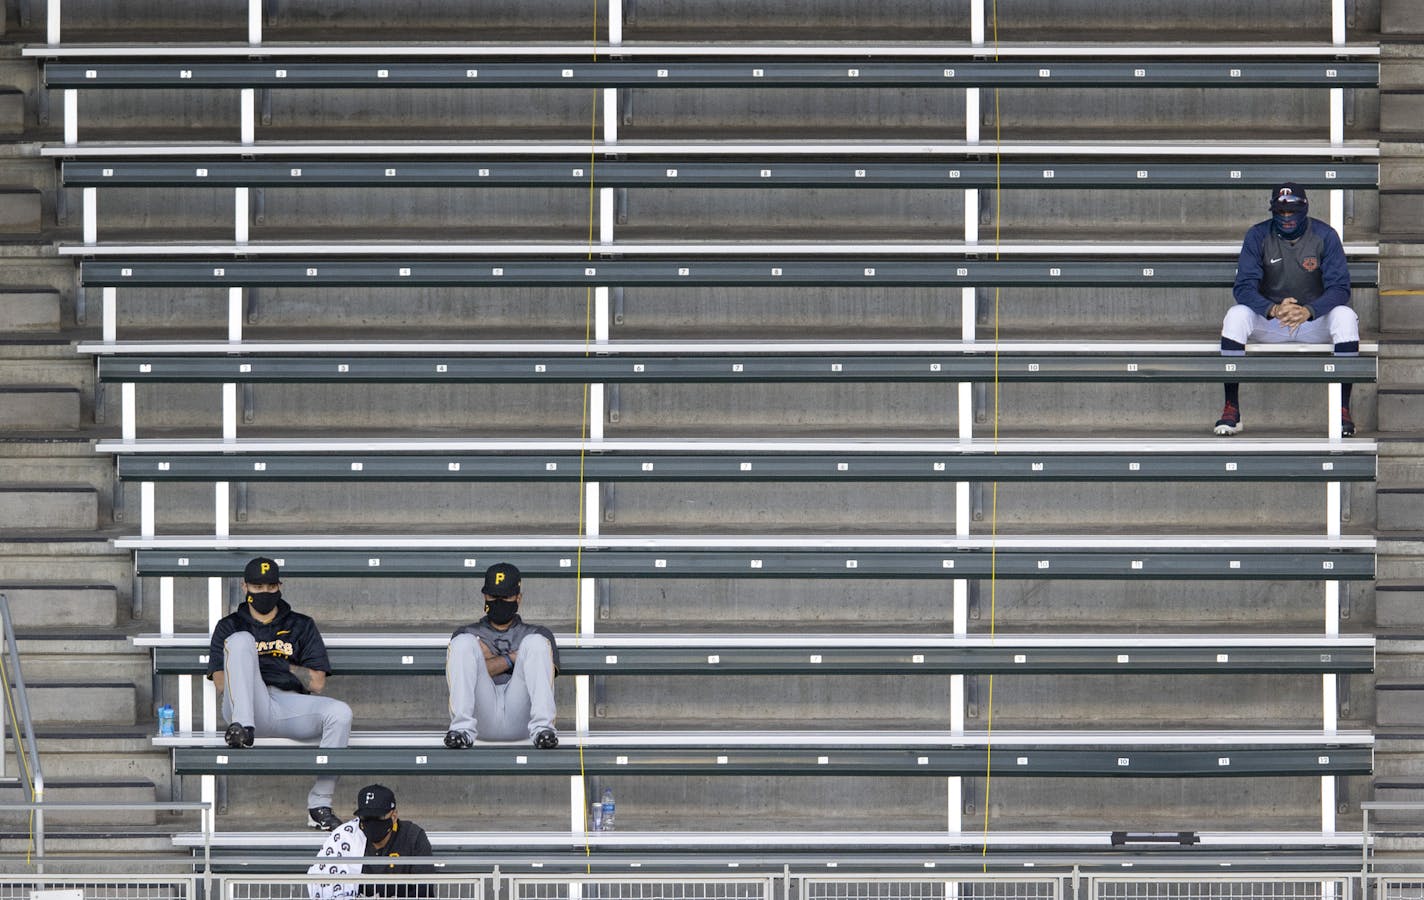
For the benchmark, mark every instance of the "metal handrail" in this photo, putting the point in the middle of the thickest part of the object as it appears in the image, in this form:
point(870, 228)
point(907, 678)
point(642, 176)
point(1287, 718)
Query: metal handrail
point(33, 775)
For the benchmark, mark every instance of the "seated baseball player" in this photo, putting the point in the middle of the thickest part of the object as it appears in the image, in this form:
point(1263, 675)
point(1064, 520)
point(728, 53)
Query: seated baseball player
point(270, 664)
point(377, 830)
point(501, 672)
point(1292, 285)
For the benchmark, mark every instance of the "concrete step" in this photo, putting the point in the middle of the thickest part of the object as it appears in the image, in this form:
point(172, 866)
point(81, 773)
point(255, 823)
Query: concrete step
point(79, 703)
point(1400, 703)
point(21, 210)
point(1400, 606)
point(28, 311)
point(60, 605)
point(1400, 509)
point(39, 407)
point(41, 506)
point(129, 790)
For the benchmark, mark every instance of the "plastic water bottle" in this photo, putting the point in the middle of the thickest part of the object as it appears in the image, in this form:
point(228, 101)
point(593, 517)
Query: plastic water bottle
point(607, 810)
point(165, 720)
point(595, 815)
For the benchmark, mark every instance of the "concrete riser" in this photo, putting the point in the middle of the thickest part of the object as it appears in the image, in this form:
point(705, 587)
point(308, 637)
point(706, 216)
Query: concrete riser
point(129, 791)
point(58, 606)
point(83, 704)
point(38, 408)
point(745, 312)
point(631, 508)
point(73, 508)
point(885, 410)
point(37, 311)
point(818, 804)
point(759, 605)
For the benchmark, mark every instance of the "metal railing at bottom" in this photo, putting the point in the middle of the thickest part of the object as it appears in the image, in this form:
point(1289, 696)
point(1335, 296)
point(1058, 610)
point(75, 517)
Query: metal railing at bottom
point(693, 885)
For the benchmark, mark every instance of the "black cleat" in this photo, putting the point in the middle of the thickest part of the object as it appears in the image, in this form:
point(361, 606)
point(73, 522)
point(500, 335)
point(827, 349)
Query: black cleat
point(322, 817)
point(458, 740)
point(546, 739)
point(1347, 424)
point(239, 736)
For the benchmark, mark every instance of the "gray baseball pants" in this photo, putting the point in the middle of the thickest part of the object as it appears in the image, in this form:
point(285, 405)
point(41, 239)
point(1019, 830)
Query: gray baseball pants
point(277, 713)
point(520, 708)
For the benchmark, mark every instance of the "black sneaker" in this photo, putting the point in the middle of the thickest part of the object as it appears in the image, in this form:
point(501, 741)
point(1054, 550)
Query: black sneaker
point(239, 736)
point(458, 740)
point(1347, 424)
point(322, 817)
point(546, 739)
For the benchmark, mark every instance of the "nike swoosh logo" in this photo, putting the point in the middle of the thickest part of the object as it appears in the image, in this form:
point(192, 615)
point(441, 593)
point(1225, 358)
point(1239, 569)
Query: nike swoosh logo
point(284, 632)
point(1277, 259)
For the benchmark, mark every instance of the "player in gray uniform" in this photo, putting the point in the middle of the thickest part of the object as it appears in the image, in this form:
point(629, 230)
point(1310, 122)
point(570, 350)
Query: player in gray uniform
point(1292, 284)
point(501, 672)
point(269, 663)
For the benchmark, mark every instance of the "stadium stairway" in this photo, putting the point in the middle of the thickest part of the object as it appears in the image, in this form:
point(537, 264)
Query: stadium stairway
point(1399, 593)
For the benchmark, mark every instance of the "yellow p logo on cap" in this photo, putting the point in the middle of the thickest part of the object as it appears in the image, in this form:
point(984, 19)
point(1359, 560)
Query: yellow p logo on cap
point(265, 567)
point(499, 578)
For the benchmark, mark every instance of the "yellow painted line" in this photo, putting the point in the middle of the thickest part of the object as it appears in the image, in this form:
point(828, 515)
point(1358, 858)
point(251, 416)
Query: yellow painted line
point(1402, 292)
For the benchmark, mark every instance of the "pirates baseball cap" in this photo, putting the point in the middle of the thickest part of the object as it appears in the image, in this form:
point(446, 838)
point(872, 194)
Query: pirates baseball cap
point(501, 580)
point(374, 800)
point(1288, 197)
point(262, 571)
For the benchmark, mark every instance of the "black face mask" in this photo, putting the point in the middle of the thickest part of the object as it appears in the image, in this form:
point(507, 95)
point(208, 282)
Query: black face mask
point(376, 830)
point(264, 603)
point(502, 611)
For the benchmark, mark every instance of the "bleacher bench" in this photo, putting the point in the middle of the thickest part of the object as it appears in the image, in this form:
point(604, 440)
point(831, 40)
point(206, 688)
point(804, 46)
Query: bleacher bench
point(684, 654)
point(1246, 72)
point(1172, 754)
point(1283, 558)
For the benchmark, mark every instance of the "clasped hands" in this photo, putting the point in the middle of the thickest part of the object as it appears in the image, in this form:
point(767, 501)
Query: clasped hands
point(1290, 313)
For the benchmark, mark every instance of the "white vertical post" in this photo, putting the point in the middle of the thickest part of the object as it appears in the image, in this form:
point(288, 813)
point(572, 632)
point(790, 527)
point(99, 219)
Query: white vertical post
point(600, 315)
point(605, 215)
point(110, 314)
point(234, 313)
point(254, 21)
point(1337, 22)
point(145, 509)
point(971, 216)
point(610, 95)
point(52, 22)
point(91, 214)
point(210, 692)
point(185, 702)
point(971, 115)
point(966, 411)
point(221, 513)
point(578, 807)
point(208, 793)
point(610, 115)
point(240, 216)
point(128, 411)
point(1337, 212)
point(229, 412)
point(976, 21)
point(249, 115)
point(1337, 116)
point(71, 116)
point(165, 604)
point(1334, 405)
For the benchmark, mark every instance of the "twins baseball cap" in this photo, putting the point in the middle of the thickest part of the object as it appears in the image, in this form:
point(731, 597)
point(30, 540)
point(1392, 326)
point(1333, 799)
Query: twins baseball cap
point(262, 571)
point(374, 800)
point(501, 580)
point(1288, 197)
